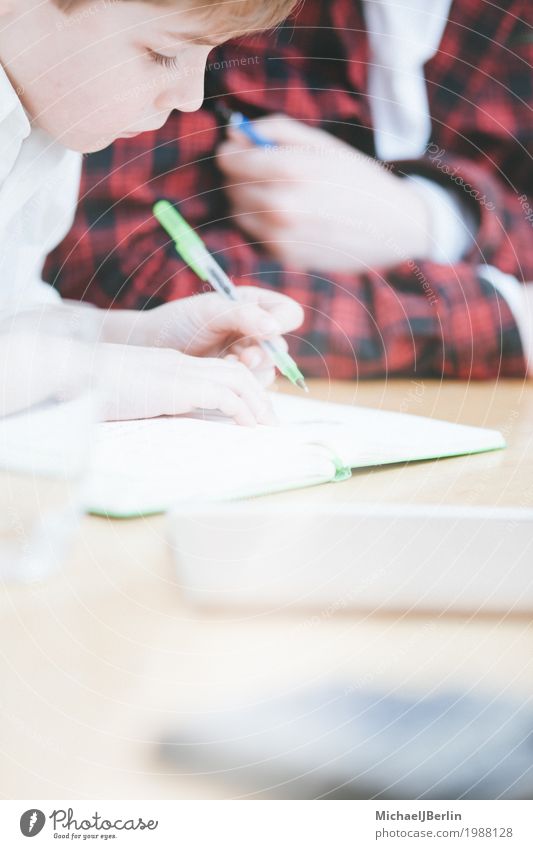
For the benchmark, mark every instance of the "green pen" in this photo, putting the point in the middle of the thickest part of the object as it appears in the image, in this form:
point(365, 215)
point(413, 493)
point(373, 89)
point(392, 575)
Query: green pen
point(193, 251)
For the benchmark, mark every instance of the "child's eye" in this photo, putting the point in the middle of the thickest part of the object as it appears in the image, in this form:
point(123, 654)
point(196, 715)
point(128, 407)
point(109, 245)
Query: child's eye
point(169, 62)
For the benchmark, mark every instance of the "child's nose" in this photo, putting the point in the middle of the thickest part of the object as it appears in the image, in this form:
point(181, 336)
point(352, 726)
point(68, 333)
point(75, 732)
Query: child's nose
point(185, 98)
point(193, 103)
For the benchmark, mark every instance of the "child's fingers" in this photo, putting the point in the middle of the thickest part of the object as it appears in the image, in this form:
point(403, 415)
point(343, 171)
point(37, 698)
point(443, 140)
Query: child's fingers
point(257, 314)
point(205, 376)
point(216, 396)
point(259, 363)
point(266, 376)
point(142, 382)
point(286, 312)
point(244, 319)
point(253, 356)
point(241, 381)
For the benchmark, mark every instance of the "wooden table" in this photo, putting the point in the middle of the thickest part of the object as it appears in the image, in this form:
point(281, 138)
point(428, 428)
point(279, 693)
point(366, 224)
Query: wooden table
point(96, 664)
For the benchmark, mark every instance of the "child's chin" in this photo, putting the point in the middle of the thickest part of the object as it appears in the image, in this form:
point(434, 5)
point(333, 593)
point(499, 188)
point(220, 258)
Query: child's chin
point(88, 145)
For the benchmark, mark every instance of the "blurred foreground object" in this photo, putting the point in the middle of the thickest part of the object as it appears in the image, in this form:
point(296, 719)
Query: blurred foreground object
point(350, 743)
point(356, 556)
point(47, 415)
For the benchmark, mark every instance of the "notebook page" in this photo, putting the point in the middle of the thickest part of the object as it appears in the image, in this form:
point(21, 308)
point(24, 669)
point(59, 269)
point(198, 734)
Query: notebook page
point(144, 467)
point(361, 437)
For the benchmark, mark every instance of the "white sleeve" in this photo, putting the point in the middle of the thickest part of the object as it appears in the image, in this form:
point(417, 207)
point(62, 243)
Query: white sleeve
point(20, 265)
point(512, 291)
point(453, 232)
point(452, 222)
point(29, 236)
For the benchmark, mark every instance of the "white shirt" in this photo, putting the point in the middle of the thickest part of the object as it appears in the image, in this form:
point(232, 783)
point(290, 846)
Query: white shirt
point(39, 185)
point(403, 35)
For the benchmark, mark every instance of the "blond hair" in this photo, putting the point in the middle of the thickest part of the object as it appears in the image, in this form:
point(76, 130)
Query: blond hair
point(240, 16)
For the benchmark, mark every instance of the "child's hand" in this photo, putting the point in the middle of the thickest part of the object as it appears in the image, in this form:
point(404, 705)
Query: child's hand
point(317, 203)
point(210, 326)
point(142, 382)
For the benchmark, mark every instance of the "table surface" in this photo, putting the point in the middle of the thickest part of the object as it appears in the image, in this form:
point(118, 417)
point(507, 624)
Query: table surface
point(100, 662)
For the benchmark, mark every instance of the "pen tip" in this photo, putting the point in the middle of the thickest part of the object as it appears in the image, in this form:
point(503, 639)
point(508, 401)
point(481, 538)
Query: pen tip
point(302, 384)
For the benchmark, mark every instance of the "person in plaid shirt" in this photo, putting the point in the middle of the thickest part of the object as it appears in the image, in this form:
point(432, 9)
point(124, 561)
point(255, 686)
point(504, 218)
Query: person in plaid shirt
point(395, 203)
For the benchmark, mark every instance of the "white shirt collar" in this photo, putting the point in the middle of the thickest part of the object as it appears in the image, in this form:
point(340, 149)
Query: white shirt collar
point(403, 35)
point(405, 32)
point(11, 106)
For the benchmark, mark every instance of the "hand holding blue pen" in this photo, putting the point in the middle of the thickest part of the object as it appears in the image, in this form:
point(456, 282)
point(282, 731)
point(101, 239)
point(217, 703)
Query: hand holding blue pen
point(240, 122)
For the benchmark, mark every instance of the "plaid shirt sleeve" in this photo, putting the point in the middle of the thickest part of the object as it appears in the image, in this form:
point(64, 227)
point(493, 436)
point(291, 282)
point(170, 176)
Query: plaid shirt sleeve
point(418, 318)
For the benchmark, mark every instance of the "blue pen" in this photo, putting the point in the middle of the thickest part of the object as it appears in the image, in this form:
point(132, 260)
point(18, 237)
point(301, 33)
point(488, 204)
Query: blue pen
point(244, 125)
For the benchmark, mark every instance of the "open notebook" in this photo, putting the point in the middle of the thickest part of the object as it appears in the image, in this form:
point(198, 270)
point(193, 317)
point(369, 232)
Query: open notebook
point(145, 467)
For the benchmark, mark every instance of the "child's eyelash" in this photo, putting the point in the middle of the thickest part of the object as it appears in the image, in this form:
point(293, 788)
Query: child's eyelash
point(169, 62)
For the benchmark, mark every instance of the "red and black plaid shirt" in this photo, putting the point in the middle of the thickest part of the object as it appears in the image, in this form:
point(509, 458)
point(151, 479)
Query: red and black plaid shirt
point(413, 319)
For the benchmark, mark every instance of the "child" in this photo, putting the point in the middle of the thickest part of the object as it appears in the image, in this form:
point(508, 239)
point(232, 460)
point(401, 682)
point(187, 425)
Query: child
point(74, 76)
